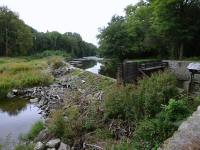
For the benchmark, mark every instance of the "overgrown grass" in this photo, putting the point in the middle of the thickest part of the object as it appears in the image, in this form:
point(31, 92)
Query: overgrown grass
point(21, 72)
point(25, 147)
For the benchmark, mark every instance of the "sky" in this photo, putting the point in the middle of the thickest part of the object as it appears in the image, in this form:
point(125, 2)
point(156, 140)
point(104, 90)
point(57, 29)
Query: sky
point(82, 16)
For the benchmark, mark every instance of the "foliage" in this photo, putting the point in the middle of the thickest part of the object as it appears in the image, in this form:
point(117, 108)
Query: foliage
point(155, 91)
point(56, 62)
point(145, 100)
point(24, 147)
point(162, 28)
point(15, 35)
point(152, 132)
point(34, 131)
point(119, 103)
point(57, 124)
point(113, 39)
point(17, 39)
point(22, 73)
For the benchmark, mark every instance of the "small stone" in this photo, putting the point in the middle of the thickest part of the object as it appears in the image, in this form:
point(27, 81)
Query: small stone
point(53, 143)
point(15, 91)
point(51, 149)
point(34, 100)
point(64, 146)
point(82, 81)
point(39, 146)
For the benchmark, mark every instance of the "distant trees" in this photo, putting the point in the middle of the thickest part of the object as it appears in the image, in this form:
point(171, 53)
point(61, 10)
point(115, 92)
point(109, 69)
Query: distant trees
point(164, 28)
point(17, 38)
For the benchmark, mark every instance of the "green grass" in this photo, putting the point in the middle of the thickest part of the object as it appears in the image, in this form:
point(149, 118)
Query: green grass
point(23, 72)
point(34, 131)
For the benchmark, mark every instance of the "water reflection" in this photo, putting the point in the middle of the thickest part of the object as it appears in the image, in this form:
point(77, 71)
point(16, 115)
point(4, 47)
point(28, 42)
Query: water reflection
point(13, 107)
point(16, 117)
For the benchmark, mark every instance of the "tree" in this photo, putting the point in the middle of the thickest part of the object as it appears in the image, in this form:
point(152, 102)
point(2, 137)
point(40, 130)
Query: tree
point(15, 35)
point(113, 39)
point(177, 21)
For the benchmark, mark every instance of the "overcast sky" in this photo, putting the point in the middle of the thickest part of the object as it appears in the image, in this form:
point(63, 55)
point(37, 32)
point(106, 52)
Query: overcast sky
point(81, 16)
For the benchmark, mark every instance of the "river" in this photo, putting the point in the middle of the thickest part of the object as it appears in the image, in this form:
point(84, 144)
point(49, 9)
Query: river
point(16, 117)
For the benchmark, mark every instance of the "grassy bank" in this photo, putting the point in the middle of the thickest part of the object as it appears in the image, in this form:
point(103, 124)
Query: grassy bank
point(25, 72)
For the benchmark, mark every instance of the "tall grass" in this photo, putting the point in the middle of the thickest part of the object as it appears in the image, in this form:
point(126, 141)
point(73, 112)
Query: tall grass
point(20, 73)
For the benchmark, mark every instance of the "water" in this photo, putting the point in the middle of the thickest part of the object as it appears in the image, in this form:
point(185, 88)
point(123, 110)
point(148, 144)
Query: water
point(92, 64)
point(16, 117)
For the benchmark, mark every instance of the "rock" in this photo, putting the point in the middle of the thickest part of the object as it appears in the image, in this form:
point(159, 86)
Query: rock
point(43, 136)
point(39, 146)
point(51, 149)
point(34, 100)
point(10, 95)
point(82, 81)
point(53, 143)
point(15, 91)
point(64, 146)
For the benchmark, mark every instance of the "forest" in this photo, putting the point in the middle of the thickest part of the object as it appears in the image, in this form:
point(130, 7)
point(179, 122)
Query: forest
point(153, 28)
point(17, 39)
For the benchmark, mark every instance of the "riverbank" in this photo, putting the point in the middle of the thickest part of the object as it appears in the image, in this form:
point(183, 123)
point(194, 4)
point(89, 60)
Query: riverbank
point(68, 82)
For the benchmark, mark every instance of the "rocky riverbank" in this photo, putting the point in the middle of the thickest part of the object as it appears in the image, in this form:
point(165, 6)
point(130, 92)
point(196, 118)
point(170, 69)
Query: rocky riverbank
point(50, 98)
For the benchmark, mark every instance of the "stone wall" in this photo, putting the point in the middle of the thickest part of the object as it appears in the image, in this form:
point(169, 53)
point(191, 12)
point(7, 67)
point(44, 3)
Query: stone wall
point(188, 135)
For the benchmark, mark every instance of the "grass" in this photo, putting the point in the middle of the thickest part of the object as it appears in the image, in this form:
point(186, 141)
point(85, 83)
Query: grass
point(23, 72)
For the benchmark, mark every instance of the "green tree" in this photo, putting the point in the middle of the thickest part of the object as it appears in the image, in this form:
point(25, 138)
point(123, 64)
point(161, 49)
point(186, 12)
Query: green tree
point(15, 35)
point(177, 21)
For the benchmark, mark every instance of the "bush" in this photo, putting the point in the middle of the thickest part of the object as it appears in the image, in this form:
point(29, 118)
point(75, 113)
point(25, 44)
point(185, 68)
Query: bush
point(155, 91)
point(49, 53)
point(119, 103)
point(56, 62)
point(152, 132)
point(175, 111)
point(34, 131)
point(57, 124)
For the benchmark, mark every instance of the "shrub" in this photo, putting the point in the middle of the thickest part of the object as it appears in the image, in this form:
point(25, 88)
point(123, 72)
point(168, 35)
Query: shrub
point(155, 91)
point(119, 102)
point(56, 62)
point(175, 111)
point(57, 124)
point(152, 132)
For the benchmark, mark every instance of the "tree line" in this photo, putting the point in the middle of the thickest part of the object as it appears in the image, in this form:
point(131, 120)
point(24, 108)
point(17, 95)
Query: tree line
point(153, 28)
point(17, 38)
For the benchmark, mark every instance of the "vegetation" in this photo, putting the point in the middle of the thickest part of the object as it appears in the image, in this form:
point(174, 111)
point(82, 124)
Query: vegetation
point(20, 73)
point(153, 28)
point(34, 131)
point(17, 39)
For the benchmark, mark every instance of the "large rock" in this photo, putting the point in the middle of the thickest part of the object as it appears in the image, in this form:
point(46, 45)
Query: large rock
point(53, 143)
point(39, 146)
point(64, 147)
point(34, 100)
point(188, 135)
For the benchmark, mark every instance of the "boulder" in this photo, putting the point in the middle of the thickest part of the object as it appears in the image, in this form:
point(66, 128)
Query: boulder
point(34, 100)
point(39, 146)
point(64, 146)
point(53, 143)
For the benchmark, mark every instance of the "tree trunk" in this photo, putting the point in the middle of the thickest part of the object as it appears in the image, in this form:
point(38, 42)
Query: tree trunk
point(181, 51)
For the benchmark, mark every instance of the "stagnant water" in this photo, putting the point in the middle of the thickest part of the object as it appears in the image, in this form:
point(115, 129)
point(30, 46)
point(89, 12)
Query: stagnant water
point(16, 117)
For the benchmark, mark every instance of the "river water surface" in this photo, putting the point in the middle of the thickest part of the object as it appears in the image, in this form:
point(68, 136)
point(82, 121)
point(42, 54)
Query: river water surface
point(16, 117)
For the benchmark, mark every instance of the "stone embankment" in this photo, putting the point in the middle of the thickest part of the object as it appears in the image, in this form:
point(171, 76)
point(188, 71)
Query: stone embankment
point(188, 135)
point(50, 98)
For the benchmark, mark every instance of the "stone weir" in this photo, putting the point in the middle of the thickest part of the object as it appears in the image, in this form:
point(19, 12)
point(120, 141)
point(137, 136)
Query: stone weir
point(68, 78)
